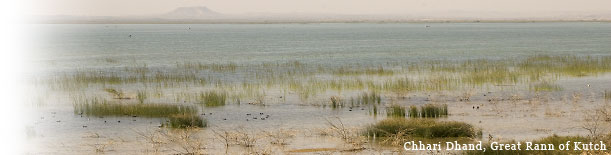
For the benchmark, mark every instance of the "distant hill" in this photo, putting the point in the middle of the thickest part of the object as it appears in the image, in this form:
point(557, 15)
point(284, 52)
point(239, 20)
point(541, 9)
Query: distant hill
point(199, 12)
point(202, 15)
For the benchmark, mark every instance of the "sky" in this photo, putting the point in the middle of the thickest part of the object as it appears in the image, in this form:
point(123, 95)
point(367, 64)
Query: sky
point(356, 7)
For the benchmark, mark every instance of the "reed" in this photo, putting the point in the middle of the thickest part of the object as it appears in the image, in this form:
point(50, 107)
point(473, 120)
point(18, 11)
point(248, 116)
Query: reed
point(212, 98)
point(369, 98)
point(141, 96)
point(336, 102)
point(429, 111)
point(545, 86)
point(395, 111)
point(413, 111)
point(424, 128)
point(102, 107)
point(186, 121)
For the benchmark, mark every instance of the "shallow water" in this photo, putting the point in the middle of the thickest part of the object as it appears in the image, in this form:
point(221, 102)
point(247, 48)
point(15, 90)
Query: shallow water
point(62, 50)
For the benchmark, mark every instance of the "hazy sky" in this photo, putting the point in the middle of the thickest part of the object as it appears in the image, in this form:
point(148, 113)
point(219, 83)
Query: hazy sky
point(147, 7)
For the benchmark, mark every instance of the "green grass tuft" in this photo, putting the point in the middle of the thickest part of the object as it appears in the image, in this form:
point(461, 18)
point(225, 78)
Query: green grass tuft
point(97, 107)
point(395, 111)
point(186, 121)
point(424, 128)
point(429, 111)
point(546, 86)
point(213, 98)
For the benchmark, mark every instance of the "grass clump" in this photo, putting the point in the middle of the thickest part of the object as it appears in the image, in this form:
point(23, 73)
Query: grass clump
point(395, 111)
point(554, 140)
point(96, 107)
point(141, 96)
point(213, 98)
point(546, 86)
point(424, 128)
point(186, 121)
point(369, 98)
point(428, 111)
point(336, 102)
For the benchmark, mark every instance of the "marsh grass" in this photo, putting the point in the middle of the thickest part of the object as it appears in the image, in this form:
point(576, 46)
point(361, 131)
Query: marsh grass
point(413, 111)
point(545, 86)
point(428, 111)
point(118, 94)
point(186, 121)
point(212, 98)
point(424, 128)
point(336, 102)
point(395, 111)
point(214, 66)
point(102, 107)
point(368, 98)
point(346, 71)
point(554, 140)
point(141, 96)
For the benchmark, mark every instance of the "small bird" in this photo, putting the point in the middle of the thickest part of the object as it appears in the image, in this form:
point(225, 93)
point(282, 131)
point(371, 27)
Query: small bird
point(473, 107)
point(84, 126)
point(477, 107)
point(119, 121)
point(588, 85)
point(248, 114)
point(130, 35)
point(262, 118)
point(260, 113)
point(58, 121)
point(104, 121)
point(225, 119)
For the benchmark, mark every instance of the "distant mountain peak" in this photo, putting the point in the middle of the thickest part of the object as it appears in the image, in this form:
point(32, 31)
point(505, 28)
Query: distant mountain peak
point(191, 13)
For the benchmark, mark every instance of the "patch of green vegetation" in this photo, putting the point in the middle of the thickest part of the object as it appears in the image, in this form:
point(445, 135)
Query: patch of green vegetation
point(212, 98)
point(346, 71)
point(424, 128)
point(429, 111)
point(186, 121)
point(368, 98)
point(102, 107)
point(554, 140)
point(395, 111)
point(413, 112)
point(214, 66)
point(141, 96)
point(545, 86)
